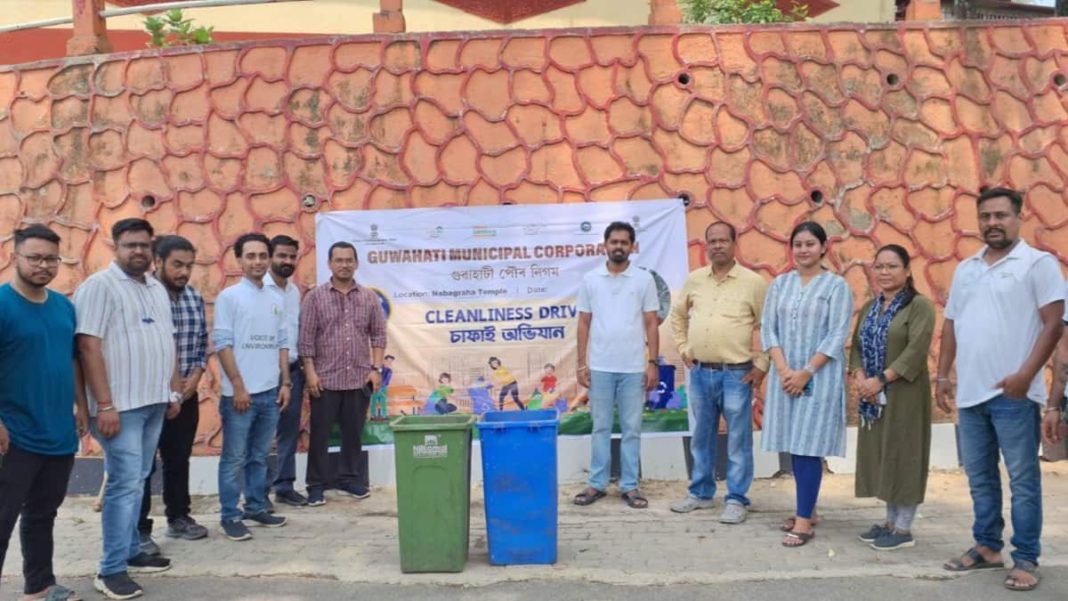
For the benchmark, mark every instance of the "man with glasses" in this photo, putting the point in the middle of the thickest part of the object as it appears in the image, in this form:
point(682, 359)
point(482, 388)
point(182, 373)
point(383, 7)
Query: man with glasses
point(38, 430)
point(127, 351)
point(342, 343)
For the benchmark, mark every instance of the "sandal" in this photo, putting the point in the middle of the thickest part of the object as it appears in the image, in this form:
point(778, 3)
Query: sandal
point(56, 592)
point(1028, 567)
point(797, 539)
point(634, 499)
point(978, 562)
point(589, 496)
point(789, 523)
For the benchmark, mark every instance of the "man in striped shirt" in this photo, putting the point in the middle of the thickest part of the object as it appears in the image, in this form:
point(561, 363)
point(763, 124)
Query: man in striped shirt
point(174, 264)
point(342, 343)
point(127, 353)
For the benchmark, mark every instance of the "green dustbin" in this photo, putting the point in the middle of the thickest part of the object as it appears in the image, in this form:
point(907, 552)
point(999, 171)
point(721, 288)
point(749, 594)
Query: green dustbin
point(433, 461)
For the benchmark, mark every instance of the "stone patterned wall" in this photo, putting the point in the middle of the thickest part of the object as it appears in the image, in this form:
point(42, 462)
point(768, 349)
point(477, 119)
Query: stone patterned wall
point(882, 133)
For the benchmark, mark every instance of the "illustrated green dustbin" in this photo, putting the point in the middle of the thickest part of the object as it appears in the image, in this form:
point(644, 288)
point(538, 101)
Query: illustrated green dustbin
point(433, 460)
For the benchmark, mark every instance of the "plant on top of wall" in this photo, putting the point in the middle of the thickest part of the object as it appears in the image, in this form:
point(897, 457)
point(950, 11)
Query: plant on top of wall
point(740, 11)
point(173, 29)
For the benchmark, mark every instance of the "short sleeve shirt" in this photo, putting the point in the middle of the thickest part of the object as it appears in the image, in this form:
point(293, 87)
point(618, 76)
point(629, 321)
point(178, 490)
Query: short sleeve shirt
point(134, 322)
point(617, 304)
point(37, 372)
point(995, 313)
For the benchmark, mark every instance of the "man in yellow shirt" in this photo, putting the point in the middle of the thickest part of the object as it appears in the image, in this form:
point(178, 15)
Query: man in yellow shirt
point(714, 321)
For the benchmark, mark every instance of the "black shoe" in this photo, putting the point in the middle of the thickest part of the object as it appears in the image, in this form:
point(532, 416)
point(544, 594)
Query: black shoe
point(235, 530)
point(186, 528)
point(316, 497)
point(291, 497)
point(354, 490)
point(147, 564)
point(117, 586)
point(264, 519)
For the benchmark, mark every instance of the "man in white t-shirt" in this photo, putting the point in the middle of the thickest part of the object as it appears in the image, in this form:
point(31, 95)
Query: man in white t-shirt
point(251, 339)
point(1003, 320)
point(617, 348)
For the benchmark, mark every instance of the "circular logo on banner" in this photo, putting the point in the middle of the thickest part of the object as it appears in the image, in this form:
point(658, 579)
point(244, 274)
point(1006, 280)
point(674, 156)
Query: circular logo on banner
point(383, 299)
point(586, 226)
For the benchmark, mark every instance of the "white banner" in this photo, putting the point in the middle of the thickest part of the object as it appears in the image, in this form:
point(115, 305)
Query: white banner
point(481, 300)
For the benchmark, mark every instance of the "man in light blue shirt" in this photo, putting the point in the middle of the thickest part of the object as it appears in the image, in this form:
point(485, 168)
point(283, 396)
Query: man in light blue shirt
point(252, 343)
point(618, 344)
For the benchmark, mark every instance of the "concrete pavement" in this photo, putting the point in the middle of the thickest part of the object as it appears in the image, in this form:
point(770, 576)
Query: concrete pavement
point(356, 541)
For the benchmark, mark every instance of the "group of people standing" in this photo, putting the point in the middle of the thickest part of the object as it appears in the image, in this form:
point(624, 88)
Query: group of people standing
point(123, 363)
point(1003, 319)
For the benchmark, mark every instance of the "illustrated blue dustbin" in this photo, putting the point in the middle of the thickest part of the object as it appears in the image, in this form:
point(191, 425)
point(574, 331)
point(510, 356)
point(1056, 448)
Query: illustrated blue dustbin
point(519, 478)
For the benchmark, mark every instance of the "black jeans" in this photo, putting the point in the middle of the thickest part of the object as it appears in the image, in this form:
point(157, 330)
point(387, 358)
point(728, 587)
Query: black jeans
point(349, 407)
point(32, 486)
point(175, 446)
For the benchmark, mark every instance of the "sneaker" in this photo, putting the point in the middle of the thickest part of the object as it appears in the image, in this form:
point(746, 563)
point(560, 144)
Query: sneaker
point(148, 564)
point(872, 534)
point(235, 530)
point(264, 519)
point(291, 497)
point(691, 503)
point(893, 539)
point(316, 497)
point(186, 528)
point(117, 586)
point(354, 490)
point(733, 513)
point(148, 546)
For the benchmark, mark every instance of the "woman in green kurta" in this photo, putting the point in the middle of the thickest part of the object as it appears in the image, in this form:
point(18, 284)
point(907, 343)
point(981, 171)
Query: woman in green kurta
point(888, 361)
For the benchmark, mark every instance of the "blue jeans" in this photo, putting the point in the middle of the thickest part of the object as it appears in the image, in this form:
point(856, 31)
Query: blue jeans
point(284, 473)
point(247, 439)
point(1011, 426)
point(128, 459)
point(607, 391)
point(716, 392)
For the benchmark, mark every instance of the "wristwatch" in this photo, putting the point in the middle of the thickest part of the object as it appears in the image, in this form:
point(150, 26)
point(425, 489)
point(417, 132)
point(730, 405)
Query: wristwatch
point(176, 397)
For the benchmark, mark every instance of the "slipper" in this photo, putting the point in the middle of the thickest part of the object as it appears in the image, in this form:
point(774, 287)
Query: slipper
point(797, 539)
point(634, 499)
point(978, 562)
point(789, 523)
point(589, 496)
point(57, 592)
point(1029, 567)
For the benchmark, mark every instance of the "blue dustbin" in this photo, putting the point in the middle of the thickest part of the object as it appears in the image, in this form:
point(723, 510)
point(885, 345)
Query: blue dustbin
point(519, 478)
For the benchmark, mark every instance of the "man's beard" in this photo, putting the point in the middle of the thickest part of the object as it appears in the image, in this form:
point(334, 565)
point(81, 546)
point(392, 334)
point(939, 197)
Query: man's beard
point(283, 271)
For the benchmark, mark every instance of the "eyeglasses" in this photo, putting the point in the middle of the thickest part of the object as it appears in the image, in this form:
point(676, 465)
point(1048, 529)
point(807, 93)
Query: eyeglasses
point(50, 260)
point(886, 267)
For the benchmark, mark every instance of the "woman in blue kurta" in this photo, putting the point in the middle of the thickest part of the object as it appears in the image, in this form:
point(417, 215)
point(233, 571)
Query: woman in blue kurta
point(804, 328)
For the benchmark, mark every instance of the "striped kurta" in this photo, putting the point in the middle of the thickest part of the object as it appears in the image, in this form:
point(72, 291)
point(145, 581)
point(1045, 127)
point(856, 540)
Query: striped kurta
point(802, 321)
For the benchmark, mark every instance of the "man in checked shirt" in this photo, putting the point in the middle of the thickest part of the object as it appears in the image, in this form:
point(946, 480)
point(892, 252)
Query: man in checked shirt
point(342, 343)
point(174, 264)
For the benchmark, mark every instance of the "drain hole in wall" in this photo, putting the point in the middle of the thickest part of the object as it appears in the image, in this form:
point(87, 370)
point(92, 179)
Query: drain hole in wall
point(684, 79)
point(1060, 80)
point(892, 79)
point(309, 201)
point(685, 198)
point(816, 196)
point(148, 202)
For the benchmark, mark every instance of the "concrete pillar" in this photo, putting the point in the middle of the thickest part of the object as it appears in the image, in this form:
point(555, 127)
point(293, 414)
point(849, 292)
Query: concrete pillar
point(390, 18)
point(664, 12)
point(90, 29)
point(924, 10)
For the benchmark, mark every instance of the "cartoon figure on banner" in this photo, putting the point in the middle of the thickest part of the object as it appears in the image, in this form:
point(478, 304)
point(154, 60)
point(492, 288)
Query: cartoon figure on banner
point(379, 400)
point(546, 395)
point(438, 401)
point(507, 382)
point(481, 401)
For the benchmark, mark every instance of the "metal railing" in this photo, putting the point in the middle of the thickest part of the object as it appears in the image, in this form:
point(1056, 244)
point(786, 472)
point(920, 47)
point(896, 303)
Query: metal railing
point(134, 10)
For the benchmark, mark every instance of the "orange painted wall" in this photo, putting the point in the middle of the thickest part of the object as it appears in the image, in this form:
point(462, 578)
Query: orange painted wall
point(893, 129)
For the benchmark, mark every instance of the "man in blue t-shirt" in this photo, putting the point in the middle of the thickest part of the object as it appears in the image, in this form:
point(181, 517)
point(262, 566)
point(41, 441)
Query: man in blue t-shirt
point(38, 427)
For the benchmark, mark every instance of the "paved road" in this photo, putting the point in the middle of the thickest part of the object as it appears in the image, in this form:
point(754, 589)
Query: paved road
point(976, 587)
